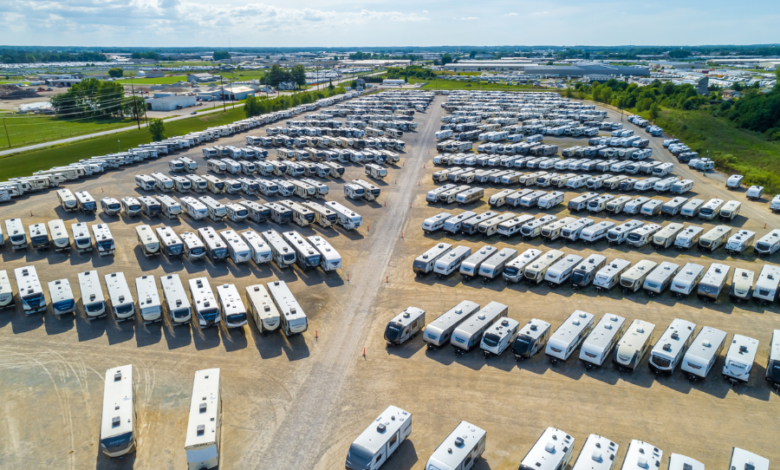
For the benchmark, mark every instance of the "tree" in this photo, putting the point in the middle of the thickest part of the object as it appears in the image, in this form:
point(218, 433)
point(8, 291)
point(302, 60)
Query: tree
point(133, 107)
point(115, 72)
point(654, 111)
point(330, 85)
point(251, 107)
point(221, 55)
point(298, 75)
point(90, 98)
point(446, 59)
point(276, 76)
point(145, 55)
point(157, 129)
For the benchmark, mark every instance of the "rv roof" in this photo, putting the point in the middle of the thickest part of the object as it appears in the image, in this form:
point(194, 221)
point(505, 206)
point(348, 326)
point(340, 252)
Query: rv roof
point(549, 450)
point(386, 425)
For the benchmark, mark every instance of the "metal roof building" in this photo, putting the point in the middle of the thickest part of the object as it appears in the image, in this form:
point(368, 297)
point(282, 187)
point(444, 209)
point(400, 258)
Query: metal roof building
point(529, 68)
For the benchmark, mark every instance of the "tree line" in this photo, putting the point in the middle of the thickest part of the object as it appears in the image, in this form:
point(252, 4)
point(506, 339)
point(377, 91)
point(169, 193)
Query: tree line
point(755, 111)
point(631, 96)
point(277, 75)
point(412, 71)
point(254, 106)
point(11, 56)
point(93, 98)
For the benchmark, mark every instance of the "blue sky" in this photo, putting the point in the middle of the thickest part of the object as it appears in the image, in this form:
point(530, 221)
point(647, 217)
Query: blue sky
point(341, 23)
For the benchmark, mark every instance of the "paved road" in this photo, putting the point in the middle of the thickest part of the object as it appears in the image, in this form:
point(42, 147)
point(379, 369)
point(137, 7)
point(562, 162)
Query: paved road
point(316, 405)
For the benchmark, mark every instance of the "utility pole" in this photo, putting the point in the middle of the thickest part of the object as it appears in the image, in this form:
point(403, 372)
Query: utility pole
point(6, 134)
point(135, 104)
point(222, 83)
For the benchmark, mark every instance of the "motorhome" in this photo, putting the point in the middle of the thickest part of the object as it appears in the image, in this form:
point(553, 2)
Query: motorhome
point(104, 241)
point(562, 270)
point(703, 352)
point(293, 318)
point(347, 218)
point(438, 332)
point(145, 182)
point(149, 305)
point(449, 263)
point(122, 303)
point(739, 359)
point(492, 267)
point(204, 428)
point(424, 263)
point(633, 345)
point(118, 420)
point(371, 192)
point(581, 202)
point(62, 299)
point(149, 206)
point(169, 207)
point(633, 279)
point(598, 453)
point(619, 234)
point(460, 450)
point(536, 271)
point(468, 334)
point(765, 292)
point(768, 244)
point(716, 237)
point(231, 306)
point(740, 242)
point(709, 210)
point(671, 347)
point(531, 339)
point(660, 278)
point(176, 300)
point(67, 200)
point(534, 228)
point(147, 240)
point(594, 233)
point(215, 247)
point(585, 272)
point(599, 343)
point(643, 235)
point(283, 254)
point(206, 307)
point(194, 249)
point(262, 308)
point(568, 336)
point(85, 202)
point(216, 210)
point(552, 451)
point(301, 215)
point(634, 206)
point(374, 446)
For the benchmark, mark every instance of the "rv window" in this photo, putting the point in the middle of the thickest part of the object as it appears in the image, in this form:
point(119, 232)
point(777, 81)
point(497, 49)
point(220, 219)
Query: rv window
point(661, 361)
point(393, 440)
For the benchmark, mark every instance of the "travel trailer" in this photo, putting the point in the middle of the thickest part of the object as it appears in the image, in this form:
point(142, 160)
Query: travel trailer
point(424, 263)
point(122, 303)
point(531, 339)
point(374, 446)
point(176, 300)
point(568, 337)
point(118, 420)
point(669, 350)
point(553, 451)
point(460, 450)
point(585, 272)
point(703, 352)
point(739, 359)
point(293, 318)
point(262, 308)
point(687, 279)
point(633, 345)
point(149, 305)
point(633, 279)
point(438, 332)
point(204, 428)
point(660, 278)
point(468, 334)
point(609, 276)
point(404, 326)
point(599, 343)
point(712, 283)
point(742, 285)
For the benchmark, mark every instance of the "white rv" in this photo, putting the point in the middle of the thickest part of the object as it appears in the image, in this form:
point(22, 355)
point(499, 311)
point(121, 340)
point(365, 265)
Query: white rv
point(730, 210)
point(131, 206)
point(768, 244)
point(665, 237)
point(561, 270)
point(531, 339)
point(619, 234)
point(688, 238)
point(598, 345)
point(147, 240)
point(293, 318)
point(347, 218)
point(535, 272)
point(739, 359)
point(374, 446)
point(104, 241)
point(216, 210)
point(660, 278)
point(67, 200)
point(766, 288)
point(148, 299)
point(206, 307)
point(598, 453)
point(16, 235)
point(39, 236)
point(568, 336)
point(704, 351)
point(691, 208)
point(145, 182)
point(499, 337)
point(231, 306)
point(594, 233)
point(740, 242)
point(262, 308)
point(744, 460)
point(122, 303)
point(170, 207)
point(468, 334)
point(204, 428)
point(514, 270)
point(670, 349)
point(149, 206)
point(687, 279)
point(573, 231)
point(642, 456)
point(742, 285)
point(633, 345)
point(552, 451)
point(194, 249)
point(709, 210)
point(460, 450)
point(59, 235)
point(585, 272)
point(215, 247)
point(405, 326)
point(176, 299)
point(261, 252)
point(117, 423)
point(330, 259)
point(633, 279)
point(62, 299)
point(438, 332)
point(713, 281)
point(238, 250)
point(92, 295)
point(424, 263)
point(773, 363)
point(171, 244)
point(449, 263)
point(436, 222)
point(283, 254)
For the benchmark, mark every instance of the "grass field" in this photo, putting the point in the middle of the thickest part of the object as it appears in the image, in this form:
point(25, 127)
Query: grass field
point(734, 150)
point(166, 80)
point(454, 85)
point(34, 129)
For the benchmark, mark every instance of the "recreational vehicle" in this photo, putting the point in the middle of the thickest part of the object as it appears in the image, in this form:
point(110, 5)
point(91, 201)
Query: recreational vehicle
point(110, 206)
point(425, 262)
point(194, 208)
point(609, 276)
point(670, 349)
point(710, 209)
point(581, 202)
point(766, 288)
point(194, 249)
point(716, 237)
point(703, 352)
point(562, 270)
point(531, 339)
point(568, 336)
point(204, 427)
point(404, 326)
point(665, 237)
point(122, 303)
point(553, 451)
point(499, 337)
point(145, 182)
point(619, 234)
point(216, 210)
point(449, 263)
point(170, 207)
point(436, 222)
point(633, 279)
point(594, 233)
point(262, 308)
point(117, 423)
point(468, 334)
point(215, 247)
point(573, 231)
point(206, 307)
point(149, 206)
point(283, 254)
point(293, 318)
point(688, 238)
point(633, 345)
point(231, 306)
point(739, 359)
point(598, 453)
point(634, 206)
point(585, 272)
point(131, 206)
point(104, 241)
point(742, 285)
point(642, 455)
point(492, 267)
point(773, 364)
point(692, 208)
point(347, 218)
point(533, 228)
point(651, 208)
point(535, 272)
point(742, 459)
point(768, 244)
point(740, 242)
point(374, 446)
point(599, 343)
point(687, 279)
point(713, 281)
point(149, 305)
point(438, 332)
point(67, 200)
point(176, 300)
point(460, 450)
point(660, 278)
point(147, 240)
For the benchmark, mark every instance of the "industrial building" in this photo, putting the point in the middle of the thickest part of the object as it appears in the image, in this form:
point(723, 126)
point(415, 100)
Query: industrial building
point(232, 93)
point(150, 73)
point(530, 68)
point(393, 82)
point(202, 78)
point(170, 102)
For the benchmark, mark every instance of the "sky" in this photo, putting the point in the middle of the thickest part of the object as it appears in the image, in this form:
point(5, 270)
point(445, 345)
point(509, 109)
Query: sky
point(342, 23)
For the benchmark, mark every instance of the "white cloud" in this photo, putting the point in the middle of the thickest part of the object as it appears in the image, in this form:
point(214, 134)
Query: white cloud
point(511, 14)
point(425, 11)
point(470, 18)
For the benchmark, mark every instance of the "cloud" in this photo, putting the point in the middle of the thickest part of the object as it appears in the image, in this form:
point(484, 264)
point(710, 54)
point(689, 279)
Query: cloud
point(425, 11)
point(470, 18)
point(511, 14)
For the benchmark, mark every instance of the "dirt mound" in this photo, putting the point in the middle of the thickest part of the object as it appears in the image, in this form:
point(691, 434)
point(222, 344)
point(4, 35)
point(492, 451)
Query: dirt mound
point(10, 92)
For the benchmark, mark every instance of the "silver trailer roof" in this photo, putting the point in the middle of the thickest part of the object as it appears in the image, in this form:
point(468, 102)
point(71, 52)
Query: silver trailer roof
point(566, 264)
point(682, 462)
point(434, 252)
point(457, 446)
point(458, 218)
point(774, 348)
point(603, 334)
point(674, 338)
point(524, 258)
point(591, 263)
point(662, 273)
point(639, 270)
point(476, 322)
point(202, 428)
point(704, 346)
point(549, 450)
point(118, 402)
point(598, 453)
point(376, 435)
point(635, 337)
point(453, 316)
point(642, 456)
point(498, 258)
point(667, 231)
point(744, 460)
point(480, 255)
point(452, 256)
point(570, 329)
point(715, 276)
point(534, 329)
point(408, 316)
point(688, 274)
point(742, 350)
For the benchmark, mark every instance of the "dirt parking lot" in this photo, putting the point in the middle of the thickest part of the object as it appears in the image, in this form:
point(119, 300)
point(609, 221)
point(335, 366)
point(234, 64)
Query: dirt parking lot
point(298, 403)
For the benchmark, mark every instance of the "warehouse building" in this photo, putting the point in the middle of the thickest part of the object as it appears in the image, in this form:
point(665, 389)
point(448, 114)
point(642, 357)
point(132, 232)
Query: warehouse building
point(170, 102)
point(393, 82)
point(202, 78)
point(529, 68)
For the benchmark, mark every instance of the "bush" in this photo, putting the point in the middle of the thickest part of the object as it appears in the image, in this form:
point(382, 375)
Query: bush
point(157, 129)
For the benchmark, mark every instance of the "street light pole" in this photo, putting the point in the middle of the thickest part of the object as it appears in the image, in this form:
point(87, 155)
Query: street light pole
point(118, 148)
